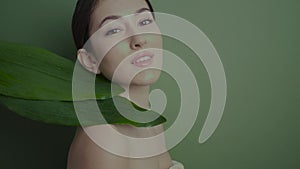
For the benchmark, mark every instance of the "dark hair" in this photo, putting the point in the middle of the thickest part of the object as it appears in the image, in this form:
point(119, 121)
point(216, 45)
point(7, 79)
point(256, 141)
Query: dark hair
point(81, 20)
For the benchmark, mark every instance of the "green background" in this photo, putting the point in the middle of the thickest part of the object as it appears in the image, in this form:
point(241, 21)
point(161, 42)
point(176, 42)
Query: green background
point(258, 42)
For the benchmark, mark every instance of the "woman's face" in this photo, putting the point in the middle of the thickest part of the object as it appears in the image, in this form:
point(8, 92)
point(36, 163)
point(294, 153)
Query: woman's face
point(127, 45)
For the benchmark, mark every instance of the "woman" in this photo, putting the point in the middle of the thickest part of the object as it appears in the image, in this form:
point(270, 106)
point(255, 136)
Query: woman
point(131, 53)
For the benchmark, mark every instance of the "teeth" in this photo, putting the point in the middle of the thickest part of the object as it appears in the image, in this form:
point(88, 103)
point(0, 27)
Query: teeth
point(143, 59)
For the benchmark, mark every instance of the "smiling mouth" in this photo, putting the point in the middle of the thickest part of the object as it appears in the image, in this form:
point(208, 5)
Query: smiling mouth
point(143, 59)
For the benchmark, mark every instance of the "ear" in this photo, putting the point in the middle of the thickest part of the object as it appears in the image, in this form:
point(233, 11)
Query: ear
point(88, 61)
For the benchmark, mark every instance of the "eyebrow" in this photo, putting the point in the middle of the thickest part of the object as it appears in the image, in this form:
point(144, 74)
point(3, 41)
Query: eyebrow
point(114, 17)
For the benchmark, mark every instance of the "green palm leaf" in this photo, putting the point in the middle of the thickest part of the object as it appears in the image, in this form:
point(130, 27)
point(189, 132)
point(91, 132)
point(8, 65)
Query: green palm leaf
point(37, 84)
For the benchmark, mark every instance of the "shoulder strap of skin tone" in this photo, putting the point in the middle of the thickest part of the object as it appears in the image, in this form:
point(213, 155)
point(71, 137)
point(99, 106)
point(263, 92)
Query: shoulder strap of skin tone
point(176, 165)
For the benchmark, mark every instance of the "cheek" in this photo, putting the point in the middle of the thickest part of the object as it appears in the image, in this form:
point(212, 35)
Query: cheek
point(108, 65)
point(112, 60)
point(155, 41)
point(106, 46)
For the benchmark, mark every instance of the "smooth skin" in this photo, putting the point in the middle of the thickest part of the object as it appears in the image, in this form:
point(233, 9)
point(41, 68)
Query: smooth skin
point(84, 152)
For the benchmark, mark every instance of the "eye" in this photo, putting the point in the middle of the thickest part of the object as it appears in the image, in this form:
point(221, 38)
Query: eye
point(113, 31)
point(146, 22)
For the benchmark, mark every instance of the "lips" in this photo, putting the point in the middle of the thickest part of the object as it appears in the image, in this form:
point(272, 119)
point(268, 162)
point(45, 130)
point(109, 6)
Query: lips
point(143, 59)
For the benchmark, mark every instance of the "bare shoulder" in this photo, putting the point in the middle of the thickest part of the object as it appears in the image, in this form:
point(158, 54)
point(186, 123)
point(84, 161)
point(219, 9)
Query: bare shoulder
point(85, 153)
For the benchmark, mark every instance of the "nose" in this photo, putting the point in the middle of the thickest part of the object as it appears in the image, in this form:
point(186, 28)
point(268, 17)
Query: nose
point(137, 42)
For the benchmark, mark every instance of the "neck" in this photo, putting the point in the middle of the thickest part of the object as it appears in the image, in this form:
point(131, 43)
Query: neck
point(138, 94)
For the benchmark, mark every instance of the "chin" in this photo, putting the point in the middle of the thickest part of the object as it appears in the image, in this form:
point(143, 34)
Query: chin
point(143, 78)
point(146, 77)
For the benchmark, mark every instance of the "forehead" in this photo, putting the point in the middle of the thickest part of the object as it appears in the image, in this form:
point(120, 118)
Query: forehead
point(116, 7)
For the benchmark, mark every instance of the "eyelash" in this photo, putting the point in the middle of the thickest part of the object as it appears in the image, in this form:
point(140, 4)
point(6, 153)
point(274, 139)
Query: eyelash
point(112, 31)
point(117, 30)
point(147, 19)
